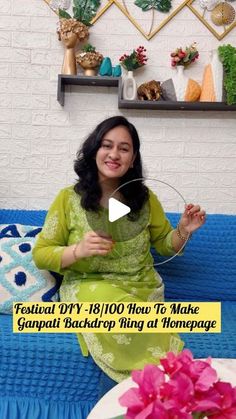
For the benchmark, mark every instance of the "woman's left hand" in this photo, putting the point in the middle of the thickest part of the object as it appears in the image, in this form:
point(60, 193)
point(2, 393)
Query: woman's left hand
point(192, 219)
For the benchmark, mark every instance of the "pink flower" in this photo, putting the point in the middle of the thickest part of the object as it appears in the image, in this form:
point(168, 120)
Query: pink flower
point(185, 57)
point(180, 388)
point(206, 378)
point(150, 381)
point(183, 389)
point(170, 363)
point(227, 394)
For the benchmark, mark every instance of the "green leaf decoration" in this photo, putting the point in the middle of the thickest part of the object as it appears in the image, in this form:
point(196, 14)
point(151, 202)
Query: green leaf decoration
point(64, 14)
point(160, 5)
point(88, 48)
point(227, 54)
point(85, 10)
point(164, 5)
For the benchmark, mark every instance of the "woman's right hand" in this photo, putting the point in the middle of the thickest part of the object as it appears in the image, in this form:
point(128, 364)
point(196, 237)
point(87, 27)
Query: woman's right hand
point(94, 243)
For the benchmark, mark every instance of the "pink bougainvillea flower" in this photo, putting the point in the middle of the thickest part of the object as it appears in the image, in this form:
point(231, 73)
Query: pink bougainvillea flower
point(227, 392)
point(146, 413)
point(206, 378)
point(181, 388)
point(197, 367)
point(170, 363)
point(206, 400)
point(139, 400)
point(131, 399)
point(177, 414)
point(229, 414)
point(185, 357)
point(184, 360)
point(150, 381)
point(159, 411)
point(227, 408)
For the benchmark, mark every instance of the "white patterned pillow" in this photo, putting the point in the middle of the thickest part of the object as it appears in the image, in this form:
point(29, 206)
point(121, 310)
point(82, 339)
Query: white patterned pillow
point(20, 279)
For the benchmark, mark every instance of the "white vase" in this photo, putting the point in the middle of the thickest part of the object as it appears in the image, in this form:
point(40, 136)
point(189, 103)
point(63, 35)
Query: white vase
point(129, 90)
point(180, 82)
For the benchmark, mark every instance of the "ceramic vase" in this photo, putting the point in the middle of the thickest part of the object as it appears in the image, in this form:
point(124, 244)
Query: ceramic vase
point(69, 62)
point(180, 87)
point(89, 61)
point(129, 90)
point(212, 83)
point(116, 71)
point(70, 31)
point(106, 67)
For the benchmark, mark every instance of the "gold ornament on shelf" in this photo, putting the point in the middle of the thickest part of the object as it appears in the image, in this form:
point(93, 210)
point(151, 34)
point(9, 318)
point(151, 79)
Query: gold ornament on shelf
point(89, 59)
point(150, 91)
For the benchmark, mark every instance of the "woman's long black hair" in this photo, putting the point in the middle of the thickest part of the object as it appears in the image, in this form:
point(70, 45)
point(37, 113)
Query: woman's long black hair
point(87, 186)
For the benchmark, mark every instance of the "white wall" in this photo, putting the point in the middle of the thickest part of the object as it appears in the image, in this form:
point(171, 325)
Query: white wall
point(194, 151)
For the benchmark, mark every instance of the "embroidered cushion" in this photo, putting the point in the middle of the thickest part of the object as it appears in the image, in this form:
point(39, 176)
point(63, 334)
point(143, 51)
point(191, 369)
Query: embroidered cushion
point(20, 279)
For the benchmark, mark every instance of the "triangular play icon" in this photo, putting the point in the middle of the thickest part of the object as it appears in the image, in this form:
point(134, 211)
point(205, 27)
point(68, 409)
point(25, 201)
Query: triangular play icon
point(116, 209)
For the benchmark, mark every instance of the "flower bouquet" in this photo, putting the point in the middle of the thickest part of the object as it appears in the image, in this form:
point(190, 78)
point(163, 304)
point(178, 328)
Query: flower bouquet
point(136, 59)
point(180, 388)
point(184, 57)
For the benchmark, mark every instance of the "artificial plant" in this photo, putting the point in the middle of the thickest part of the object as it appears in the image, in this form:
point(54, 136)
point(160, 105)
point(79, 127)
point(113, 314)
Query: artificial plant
point(227, 54)
point(161, 5)
point(83, 11)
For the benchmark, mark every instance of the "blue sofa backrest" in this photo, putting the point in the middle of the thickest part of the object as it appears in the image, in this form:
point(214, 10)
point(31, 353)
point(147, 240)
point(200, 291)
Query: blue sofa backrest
point(25, 217)
point(206, 271)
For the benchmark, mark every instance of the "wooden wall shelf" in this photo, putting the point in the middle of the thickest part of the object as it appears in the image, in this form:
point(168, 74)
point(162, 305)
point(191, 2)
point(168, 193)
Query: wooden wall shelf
point(64, 80)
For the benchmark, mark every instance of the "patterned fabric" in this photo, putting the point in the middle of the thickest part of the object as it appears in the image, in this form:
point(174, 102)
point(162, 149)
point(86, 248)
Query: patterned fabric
point(20, 280)
point(126, 274)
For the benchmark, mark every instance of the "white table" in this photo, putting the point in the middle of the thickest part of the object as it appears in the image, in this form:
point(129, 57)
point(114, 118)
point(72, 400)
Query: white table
point(109, 406)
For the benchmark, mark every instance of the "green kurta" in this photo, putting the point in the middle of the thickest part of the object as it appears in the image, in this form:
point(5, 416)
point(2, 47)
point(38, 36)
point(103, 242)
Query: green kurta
point(125, 274)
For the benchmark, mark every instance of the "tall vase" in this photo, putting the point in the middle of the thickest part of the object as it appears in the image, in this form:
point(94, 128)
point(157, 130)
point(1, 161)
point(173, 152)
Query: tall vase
point(69, 62)
point(70, 31)
point(129, 90)
point(180, 82)
point(212, 83)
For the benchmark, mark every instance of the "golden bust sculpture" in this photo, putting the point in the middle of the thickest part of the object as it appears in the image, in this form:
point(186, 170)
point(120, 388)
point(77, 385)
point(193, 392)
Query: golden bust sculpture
point(69, 32)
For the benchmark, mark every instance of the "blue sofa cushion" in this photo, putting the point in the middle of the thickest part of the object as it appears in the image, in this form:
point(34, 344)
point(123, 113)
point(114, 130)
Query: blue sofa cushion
point(20, 279)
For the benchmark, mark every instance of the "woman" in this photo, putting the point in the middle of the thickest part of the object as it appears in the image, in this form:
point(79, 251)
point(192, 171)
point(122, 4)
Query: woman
point(97, 264)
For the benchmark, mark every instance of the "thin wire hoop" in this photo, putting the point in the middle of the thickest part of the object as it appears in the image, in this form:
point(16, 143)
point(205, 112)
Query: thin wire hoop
point(181, 196)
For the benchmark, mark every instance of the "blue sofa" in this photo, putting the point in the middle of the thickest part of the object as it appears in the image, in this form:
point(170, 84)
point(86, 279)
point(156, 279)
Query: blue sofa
point(44, 376)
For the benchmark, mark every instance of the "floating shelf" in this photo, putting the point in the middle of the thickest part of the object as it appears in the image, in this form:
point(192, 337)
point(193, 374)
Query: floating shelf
point(83, 81)
point(64, 80)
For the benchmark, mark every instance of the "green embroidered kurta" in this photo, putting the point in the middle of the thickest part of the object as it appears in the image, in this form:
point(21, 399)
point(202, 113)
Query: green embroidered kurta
point(125, 274)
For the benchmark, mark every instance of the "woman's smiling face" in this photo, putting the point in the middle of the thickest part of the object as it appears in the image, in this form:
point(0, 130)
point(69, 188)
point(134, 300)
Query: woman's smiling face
point(116, 154)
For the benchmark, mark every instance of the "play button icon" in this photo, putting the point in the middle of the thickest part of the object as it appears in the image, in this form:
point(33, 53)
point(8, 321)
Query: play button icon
point(116, 209)
point(115, 218)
